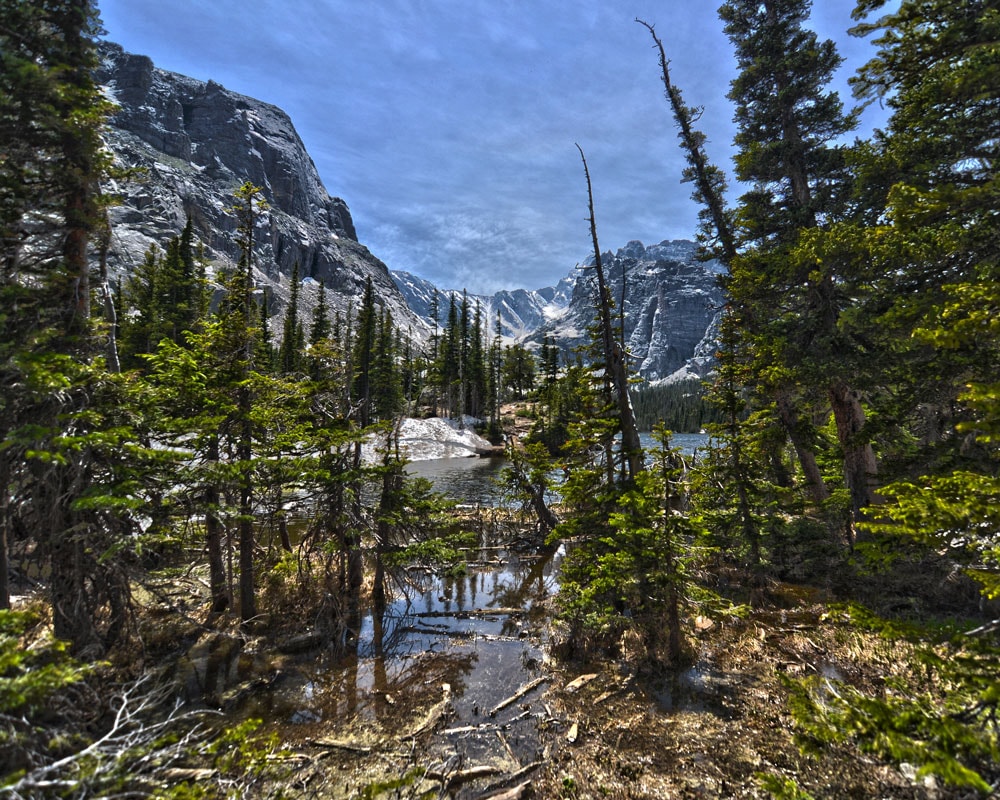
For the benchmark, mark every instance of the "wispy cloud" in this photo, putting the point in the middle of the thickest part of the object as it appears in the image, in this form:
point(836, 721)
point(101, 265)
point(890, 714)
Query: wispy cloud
point(448, 125)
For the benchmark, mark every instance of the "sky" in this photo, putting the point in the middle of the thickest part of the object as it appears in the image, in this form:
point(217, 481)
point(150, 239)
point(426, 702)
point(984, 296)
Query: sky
point(449, 126)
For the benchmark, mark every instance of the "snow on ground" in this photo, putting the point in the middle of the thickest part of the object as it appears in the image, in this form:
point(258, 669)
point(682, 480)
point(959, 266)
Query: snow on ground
point(424, 439)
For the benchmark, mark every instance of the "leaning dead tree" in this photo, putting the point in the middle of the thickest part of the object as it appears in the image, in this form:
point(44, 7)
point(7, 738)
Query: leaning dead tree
point(708, 179)
point(615, 363)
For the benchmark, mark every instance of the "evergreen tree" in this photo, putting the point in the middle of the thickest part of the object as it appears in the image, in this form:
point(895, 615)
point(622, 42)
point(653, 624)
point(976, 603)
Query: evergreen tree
point(62, 423)
point(930, 187)
point(517, 371)
point(290, 350)
point(476, 391)
point(386, 377)
point(320, 328)
point(239, 338)
point(364, 351)
point(450, 360)
point(788, 133)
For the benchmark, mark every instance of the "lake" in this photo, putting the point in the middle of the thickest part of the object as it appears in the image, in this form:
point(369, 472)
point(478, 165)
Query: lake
point(474, 481)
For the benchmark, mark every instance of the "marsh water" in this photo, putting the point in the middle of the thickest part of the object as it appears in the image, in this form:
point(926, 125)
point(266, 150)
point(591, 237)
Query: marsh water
point(472, 639)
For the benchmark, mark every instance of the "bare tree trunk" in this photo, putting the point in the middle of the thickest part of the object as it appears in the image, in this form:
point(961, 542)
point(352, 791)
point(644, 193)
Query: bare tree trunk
point(706, 177)
point(614, 355)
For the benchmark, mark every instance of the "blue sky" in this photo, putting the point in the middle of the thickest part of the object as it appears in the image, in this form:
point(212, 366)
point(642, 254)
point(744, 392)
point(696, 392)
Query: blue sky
point(449, 126)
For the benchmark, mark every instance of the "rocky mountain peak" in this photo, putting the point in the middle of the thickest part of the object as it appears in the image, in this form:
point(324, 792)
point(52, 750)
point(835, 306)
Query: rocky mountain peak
point(668, 301)
point(195, 143)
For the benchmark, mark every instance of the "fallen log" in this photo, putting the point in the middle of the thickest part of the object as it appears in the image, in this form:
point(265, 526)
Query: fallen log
point(579, 683)
point(337, 744)
point(514, 776)
point(517, 695)
point(517, 793)
point(453, 779)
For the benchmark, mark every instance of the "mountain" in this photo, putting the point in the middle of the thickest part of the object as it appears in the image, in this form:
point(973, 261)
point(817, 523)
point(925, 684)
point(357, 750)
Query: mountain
point(670, 311)
point(522, 311)
point(194, 143)
point(190, 144)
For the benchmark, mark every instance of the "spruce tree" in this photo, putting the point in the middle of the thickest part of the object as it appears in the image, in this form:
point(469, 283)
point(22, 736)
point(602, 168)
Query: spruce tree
point(788, 135)
point(290, 350)
point(62, 420)
point(931, 189)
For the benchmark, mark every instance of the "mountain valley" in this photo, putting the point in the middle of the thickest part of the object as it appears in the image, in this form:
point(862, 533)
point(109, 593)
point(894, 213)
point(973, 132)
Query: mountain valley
point(189, 145)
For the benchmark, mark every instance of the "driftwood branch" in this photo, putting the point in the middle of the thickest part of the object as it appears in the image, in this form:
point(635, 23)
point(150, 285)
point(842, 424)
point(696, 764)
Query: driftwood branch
point(432, 717)
point(131, 732)
point(335, 744)
point(517, 793)
point(517, 695)
point(514, 777)
point(453, 779)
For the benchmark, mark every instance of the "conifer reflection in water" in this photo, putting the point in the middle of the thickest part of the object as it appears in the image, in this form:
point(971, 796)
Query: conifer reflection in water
point(480, 632)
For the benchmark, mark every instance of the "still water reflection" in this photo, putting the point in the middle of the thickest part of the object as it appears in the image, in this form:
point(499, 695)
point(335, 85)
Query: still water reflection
point(481, 633)
point(475, 481)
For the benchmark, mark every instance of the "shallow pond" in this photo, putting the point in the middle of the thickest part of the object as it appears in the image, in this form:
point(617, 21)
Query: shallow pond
point(481, 634)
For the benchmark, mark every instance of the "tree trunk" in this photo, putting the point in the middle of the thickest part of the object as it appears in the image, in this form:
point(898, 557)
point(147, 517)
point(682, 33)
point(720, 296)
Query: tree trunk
point(248, 600)
point(218, 589)
point(860, 467)
point(803, 450)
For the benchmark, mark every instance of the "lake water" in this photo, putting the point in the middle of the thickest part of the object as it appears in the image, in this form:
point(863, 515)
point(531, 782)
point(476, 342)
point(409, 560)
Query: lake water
point(475, 481)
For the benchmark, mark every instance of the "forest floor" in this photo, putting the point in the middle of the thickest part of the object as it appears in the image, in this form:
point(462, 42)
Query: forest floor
point(493, 713)
point(602, 730)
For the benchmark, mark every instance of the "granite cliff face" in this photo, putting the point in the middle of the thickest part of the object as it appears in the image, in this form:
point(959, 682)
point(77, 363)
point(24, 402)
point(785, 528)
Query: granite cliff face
point(196, 143)
point(668, 299)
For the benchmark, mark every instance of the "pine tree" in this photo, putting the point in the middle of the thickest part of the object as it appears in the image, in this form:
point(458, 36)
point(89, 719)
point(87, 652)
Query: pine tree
point(476, 391)
point(931, 189)
point(450, 360)
point(290, 350)
point(59, 441)
point(364, 353)
point(237, 317)
point(788, 129)
point(386, 377)
point(320, 328)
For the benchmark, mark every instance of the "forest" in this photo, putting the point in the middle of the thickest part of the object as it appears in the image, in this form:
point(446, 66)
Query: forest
point(178, 465)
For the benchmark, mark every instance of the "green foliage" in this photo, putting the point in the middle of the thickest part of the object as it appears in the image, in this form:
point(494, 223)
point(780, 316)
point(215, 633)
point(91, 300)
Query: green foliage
point(948, 727)
point(410, 778)
point(30, 675)
point(446, 550)
point(781, 788)
point(163, 298)
point(518, 371)
point(630, 569)
point(681, 406)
